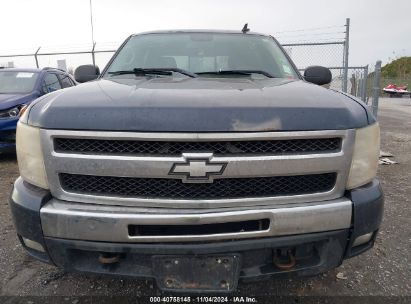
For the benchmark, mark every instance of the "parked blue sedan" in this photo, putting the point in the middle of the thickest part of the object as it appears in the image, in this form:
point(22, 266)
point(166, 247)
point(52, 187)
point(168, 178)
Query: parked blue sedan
point(18, 88)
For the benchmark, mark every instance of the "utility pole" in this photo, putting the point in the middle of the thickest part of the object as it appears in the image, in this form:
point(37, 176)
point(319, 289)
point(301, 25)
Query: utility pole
point(92, 33)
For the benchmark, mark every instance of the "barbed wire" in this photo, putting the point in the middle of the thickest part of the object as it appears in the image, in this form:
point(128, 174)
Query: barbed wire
point(299, 41)
point(310, 29)
point(315, 34)
point(109, 44)
point(61, 48)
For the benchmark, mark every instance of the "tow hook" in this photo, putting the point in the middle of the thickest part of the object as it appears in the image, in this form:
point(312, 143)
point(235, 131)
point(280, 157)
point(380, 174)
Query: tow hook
point(108, 258)
point(281, 263)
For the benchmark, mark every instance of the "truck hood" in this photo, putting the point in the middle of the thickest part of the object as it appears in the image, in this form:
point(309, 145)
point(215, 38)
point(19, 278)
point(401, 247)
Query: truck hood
point(170, 104)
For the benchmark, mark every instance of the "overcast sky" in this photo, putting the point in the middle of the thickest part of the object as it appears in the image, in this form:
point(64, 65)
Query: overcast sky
point(378, 27)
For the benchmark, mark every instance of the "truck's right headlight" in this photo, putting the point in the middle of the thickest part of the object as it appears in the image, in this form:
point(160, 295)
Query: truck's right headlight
point(30, 156)
point(365, 159)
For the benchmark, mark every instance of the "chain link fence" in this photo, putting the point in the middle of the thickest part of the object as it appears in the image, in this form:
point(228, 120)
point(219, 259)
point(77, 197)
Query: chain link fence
point(303, 54)
point(331, 52)
point(331, 56)
point(328, 54)
point(73, 56)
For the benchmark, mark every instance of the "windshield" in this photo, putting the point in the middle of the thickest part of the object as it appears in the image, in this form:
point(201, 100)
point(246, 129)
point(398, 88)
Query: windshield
point(203, 53)
point(13, 82)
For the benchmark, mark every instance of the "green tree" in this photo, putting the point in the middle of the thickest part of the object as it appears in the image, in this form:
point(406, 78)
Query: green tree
point(398, 68)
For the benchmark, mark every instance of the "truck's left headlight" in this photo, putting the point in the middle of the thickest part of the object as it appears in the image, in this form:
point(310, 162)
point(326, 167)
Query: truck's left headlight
point(30, 155)
point(365, 159)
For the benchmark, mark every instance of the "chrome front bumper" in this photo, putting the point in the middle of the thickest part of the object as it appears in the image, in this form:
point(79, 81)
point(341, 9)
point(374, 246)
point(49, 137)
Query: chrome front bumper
point(82, 232)
point(79, 221)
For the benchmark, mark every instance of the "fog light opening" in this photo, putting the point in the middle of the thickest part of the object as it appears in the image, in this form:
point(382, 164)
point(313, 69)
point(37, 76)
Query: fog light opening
point(363, 239)
point(33, 244)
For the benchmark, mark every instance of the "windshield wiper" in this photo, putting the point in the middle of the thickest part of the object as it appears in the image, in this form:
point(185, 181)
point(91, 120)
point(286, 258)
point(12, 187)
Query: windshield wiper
point(154, 71)
point(238, 72)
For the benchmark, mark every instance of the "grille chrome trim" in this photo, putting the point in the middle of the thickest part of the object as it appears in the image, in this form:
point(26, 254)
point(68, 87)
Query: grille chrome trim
point(158, 167)
point(176, 148)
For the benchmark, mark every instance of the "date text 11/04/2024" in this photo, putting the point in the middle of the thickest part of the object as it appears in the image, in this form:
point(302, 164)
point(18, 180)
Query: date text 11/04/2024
point(203, 299)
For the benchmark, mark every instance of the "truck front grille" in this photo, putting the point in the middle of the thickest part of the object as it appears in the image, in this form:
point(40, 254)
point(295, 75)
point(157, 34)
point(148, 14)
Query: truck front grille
point(139, 169)
point(255, 147)
point(225, 188)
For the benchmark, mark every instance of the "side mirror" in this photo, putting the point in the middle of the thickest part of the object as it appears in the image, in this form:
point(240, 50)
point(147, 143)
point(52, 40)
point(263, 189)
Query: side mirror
point(38, 93)
point(86, 73)
point(318, 75)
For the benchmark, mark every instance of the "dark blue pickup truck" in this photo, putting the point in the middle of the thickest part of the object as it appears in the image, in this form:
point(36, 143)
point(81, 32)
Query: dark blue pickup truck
point(18, 88)
point(198, 159)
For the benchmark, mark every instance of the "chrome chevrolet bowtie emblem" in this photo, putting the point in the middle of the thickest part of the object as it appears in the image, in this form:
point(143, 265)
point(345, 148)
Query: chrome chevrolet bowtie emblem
point(197, 168)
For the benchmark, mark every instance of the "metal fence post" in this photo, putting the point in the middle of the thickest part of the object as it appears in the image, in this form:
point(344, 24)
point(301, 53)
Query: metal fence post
point(364, 84)
point(359, 87)
point(93, 56)
point(35, 57)
point(346, 48)
point(376, 88)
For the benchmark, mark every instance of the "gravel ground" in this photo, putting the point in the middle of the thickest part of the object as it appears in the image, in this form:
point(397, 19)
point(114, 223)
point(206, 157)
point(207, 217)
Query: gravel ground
point(384, 270)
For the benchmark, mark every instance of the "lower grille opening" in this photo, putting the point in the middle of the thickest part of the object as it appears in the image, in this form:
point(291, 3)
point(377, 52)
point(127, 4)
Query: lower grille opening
point(224, 188)
point(220, 228)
